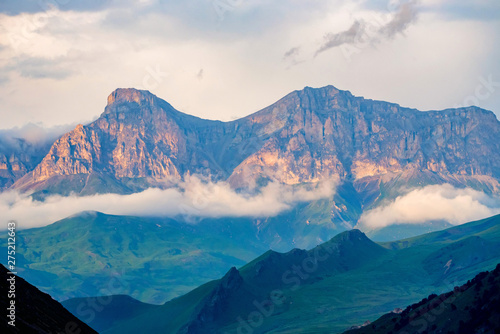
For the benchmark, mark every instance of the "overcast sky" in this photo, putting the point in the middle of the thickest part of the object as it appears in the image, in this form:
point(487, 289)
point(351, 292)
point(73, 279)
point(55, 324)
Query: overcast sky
point(224, 59)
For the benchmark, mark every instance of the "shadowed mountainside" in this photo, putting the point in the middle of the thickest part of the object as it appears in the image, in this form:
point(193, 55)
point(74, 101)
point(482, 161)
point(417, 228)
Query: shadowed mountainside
point(471, 308)
point(328, 288)
point(36, 312)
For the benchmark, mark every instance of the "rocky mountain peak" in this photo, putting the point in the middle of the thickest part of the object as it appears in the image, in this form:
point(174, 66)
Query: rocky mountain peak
point(353, 234)
point(350, 238)
point(231, 280)
point(122, 95)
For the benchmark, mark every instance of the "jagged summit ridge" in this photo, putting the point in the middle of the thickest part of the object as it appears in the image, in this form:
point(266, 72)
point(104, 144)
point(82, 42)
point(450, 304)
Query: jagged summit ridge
point(121, 95)
point(308, 136)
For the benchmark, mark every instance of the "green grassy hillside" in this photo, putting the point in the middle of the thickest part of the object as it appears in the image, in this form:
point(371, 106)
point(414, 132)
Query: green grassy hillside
point(329, 288)
point(83, 255)
point(105, 312)
point(471, 308)
point(151, 259)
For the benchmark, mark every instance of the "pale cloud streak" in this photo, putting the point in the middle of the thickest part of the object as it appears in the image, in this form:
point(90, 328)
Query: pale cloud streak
point(350, 36)
point(432, 203)
point(374, 30)
point(191, 198)
point(402, 19)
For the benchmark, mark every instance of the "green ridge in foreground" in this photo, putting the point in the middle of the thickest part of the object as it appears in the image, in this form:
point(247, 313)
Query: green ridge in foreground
point(35, 312)
point(329, 288)
point(471, 308)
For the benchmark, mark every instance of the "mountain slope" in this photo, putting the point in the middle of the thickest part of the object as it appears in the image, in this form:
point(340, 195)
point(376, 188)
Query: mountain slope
point(35, 311)
point(137, 138)
point(321, 132)
point(113, 252)
point(216, 304)
point(307, 136)
point(19, 155)
point(175, 256)
point(329, 288)
point(471, 308)
point(104, 312)
point(125, 247)
point(16, 160)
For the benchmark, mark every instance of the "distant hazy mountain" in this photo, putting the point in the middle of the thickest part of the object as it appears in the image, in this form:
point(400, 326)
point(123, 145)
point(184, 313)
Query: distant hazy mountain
point(471, 308)
point(22, 149)
point(36, 312)
point(326, 289)
point(307, 136)
point(16, 161)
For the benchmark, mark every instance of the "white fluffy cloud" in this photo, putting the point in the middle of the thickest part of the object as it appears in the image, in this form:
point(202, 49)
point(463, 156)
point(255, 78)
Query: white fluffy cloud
point(193, 197)
point(433, 203)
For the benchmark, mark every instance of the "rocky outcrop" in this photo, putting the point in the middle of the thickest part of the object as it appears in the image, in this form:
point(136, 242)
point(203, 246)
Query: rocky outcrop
point(308, 136)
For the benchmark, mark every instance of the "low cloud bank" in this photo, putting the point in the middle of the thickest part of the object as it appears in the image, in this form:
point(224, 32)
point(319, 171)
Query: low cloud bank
point(192, 198)
point(12, 140)
point(433, 203)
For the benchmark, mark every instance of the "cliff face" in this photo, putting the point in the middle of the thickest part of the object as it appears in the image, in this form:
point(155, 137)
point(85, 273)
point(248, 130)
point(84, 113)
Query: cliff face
point(137, 136)
point(317, 133)
point(307, 136)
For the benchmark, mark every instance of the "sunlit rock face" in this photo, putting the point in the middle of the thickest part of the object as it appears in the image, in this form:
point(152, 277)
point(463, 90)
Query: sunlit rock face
point(308, 136)
point(137, 136)
point(317, 133)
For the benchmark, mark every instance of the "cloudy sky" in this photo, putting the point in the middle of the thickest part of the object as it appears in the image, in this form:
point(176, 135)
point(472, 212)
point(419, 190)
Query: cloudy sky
point(223, 59)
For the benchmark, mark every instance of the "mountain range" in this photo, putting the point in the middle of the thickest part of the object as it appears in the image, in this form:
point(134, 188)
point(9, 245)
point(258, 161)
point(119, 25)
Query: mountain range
point(326, 289)
point(307, 136)
point(372, 151)
point(21, 150)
